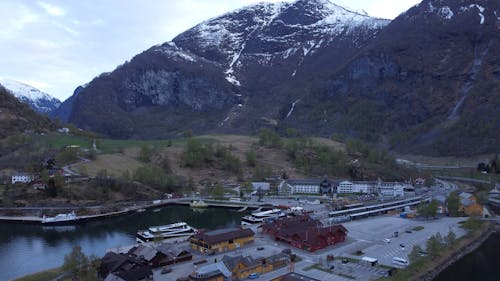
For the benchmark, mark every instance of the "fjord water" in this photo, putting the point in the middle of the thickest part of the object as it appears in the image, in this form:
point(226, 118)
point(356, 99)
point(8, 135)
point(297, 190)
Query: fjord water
point(26, 249)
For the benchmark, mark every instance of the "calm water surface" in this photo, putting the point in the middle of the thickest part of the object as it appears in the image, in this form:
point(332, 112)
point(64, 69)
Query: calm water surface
point(27, 249)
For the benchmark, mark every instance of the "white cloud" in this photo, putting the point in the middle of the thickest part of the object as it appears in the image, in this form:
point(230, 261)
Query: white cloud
point(52, 9)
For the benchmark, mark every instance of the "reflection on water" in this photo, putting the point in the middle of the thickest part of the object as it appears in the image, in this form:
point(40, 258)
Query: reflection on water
point(26, 249)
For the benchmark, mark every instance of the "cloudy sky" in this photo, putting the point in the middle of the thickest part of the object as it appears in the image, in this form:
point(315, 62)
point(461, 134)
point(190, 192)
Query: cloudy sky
point(56, 45)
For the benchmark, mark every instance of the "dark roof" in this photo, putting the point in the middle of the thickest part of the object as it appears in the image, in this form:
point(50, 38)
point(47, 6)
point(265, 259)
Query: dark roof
point(302, 228)
point(296, 277)
point(232, 262)
point(145, 252)
point(116, 263)
point(137, 273)
point(223, 234)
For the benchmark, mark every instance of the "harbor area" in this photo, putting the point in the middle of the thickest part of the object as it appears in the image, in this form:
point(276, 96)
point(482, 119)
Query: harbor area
point(369, 239)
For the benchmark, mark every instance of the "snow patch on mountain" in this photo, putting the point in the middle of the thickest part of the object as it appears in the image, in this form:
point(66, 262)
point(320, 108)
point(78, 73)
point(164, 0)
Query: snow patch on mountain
point(171, 50)
point(480, 9)
point(36, 99)
point(445, 12)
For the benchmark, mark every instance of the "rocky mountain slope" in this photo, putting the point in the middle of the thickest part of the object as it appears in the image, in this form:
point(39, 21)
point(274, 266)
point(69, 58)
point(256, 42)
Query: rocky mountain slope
point(17, 117)
point(423, 83)
point(36, 99)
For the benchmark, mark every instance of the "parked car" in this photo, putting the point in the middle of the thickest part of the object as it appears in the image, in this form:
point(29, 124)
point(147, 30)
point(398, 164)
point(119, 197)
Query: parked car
point(387, 240)
point(166, 270)
point(260, 248)
point(408, 231)
point(253, 276)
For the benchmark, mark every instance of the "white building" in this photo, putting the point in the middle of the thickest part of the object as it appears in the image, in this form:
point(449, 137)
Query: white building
point(263, 186)
point(345, 187)
point(22, 177)
point(310, 186)
point(392, 189)
point(363, 187)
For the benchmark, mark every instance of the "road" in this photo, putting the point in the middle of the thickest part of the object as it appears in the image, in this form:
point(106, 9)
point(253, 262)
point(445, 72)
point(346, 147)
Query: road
point(67, 169)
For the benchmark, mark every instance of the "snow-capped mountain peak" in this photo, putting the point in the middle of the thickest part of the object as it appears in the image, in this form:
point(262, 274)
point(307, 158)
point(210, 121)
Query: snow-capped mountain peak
point(36, 99)
point(265, 32)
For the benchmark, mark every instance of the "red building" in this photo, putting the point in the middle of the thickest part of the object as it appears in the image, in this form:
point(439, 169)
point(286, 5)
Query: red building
point(305, 233)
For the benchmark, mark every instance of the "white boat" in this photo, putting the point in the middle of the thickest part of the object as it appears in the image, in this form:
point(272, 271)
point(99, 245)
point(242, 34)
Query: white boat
point(174, 230)
point(60, 218)
point(258, 218)
point(295, 211)
point(198, 204)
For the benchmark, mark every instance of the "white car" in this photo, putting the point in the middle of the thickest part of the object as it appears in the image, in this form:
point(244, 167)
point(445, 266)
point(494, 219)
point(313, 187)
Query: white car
point(386, 240)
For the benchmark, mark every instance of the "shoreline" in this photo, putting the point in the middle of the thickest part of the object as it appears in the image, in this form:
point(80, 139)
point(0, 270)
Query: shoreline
point(458, 253)
point(36, 220)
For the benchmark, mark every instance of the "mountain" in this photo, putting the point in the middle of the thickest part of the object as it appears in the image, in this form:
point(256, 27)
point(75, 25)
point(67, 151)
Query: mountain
point(17, 117)
point(428, 84)
point(36, 99)
point(210, 77)
point(423, 83)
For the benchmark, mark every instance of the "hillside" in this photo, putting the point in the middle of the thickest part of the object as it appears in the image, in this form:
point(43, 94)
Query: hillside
point(17, 117)
point(424, 83)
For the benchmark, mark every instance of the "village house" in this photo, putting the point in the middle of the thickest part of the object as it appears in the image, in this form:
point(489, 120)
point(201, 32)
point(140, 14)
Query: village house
point(469, 205)
point(221, 240)
point(124, 267)
point(305, 233)
point(22, 178)
point(174, 254)
point(241, 267)
point(211, 272)
point(292, 276)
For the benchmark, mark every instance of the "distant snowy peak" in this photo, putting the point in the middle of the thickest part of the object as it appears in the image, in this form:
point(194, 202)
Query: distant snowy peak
point(36, 99)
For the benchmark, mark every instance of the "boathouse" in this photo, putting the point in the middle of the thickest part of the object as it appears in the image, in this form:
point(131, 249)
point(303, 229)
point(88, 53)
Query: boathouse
point(305, 233)
point(221, 240)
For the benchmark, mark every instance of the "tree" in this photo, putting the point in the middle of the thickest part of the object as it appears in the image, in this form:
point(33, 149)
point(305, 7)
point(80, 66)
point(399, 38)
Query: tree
point(247, 188)
point(217, 191)
point(482, 197)
point(434, 245)
point(428, 210)
point(450, 238)
point(75, 260)
point(146, 153)
point(415, 253)
point(251, 158)
point(453, 203)
point(80, 266)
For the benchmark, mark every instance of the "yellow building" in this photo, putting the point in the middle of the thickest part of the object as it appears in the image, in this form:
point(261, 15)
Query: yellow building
point(241, 267)
point(469, 205)
point(221, 240)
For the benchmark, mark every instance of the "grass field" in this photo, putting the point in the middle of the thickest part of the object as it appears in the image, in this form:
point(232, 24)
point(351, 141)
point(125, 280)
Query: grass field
point(114, 164)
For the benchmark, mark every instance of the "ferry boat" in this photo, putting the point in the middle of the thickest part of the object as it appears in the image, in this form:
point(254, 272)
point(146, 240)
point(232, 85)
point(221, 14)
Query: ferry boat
point(60, 218)
point(258, 218)
point(174, 230)
point(198, 204)
point(296, 211)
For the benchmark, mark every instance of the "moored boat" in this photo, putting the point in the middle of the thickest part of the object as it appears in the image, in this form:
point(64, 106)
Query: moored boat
point(157, 233)
point(61, 219)
point(198, 204)
point(259, 217)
